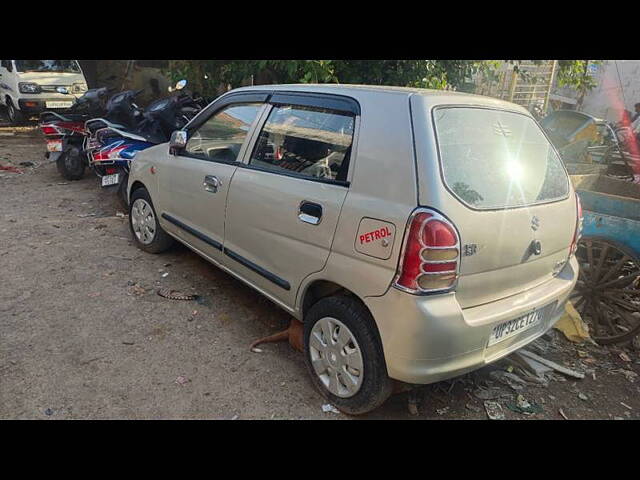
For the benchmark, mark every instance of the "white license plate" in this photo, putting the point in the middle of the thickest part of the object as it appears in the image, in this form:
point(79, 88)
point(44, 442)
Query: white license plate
point(108, 180)
point(508, 329)
point(58, 104)
point(54, 146)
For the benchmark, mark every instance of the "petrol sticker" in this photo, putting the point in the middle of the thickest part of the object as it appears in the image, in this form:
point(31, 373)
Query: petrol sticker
point(375, 235)
point(375, 238)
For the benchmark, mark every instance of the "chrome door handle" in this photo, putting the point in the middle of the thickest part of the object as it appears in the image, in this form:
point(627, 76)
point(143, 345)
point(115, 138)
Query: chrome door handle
point(211, 183)
point(310, 212)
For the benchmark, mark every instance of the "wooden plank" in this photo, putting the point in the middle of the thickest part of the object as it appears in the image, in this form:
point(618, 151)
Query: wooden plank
point(549, 363)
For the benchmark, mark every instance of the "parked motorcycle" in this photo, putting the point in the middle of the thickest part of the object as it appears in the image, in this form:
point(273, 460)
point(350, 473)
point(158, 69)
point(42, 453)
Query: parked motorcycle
point(112, 148)
point(65, 133)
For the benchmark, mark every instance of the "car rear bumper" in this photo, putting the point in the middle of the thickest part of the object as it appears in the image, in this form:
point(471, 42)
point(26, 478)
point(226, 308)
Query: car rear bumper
point(430, 338)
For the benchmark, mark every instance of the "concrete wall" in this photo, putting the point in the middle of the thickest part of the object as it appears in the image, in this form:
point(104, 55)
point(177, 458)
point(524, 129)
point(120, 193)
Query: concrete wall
point(618, 89)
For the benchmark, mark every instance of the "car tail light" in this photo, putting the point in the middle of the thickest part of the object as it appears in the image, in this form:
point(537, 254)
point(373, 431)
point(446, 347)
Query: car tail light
point(578, 231)
point(430, 256)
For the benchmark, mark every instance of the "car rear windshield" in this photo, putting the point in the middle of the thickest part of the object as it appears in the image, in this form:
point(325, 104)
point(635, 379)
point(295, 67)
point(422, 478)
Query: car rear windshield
point(497, 159)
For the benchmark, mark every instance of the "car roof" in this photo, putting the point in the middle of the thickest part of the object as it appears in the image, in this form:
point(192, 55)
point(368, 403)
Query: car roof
point(430, 97)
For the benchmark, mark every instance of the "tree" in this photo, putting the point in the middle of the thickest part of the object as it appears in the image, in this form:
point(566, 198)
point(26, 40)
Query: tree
point(209, 76)
point(575, 74)
point(212, 77)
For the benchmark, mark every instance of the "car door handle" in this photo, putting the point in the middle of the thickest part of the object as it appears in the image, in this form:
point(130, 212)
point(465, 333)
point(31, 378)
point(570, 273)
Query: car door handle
point(310, 212)
point(211, 183)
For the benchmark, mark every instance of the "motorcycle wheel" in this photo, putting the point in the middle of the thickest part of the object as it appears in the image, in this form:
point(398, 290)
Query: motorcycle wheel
point(122, 192)
point(71, 165)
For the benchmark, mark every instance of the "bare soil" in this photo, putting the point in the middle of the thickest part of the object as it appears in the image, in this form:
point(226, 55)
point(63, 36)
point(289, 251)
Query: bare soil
point(83, 333)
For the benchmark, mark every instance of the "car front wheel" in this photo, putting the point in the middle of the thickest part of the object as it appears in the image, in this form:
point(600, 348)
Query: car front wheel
point(143, 222)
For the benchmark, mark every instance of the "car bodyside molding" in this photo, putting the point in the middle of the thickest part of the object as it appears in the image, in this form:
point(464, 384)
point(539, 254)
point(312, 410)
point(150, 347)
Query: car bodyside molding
point(238, 258)
point(281, 282)
point(193, 231)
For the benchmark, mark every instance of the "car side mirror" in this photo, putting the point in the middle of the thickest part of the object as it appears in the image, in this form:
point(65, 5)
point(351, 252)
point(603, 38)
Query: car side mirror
point(178, 141)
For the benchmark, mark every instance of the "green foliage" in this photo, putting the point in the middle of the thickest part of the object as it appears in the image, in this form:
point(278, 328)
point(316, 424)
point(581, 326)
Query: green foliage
point(575, 74)
point(211, 77)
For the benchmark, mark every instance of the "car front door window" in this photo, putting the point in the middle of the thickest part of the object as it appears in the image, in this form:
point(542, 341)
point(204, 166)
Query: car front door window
point(220, 138)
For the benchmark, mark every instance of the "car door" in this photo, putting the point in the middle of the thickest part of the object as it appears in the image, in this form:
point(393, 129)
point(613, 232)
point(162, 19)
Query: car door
point(194, 181)
point(284, 203)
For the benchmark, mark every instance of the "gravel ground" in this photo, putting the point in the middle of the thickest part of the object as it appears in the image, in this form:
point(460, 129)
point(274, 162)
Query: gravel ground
point(83, 333)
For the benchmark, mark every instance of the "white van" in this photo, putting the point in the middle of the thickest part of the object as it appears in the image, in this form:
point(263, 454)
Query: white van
point(29, 87)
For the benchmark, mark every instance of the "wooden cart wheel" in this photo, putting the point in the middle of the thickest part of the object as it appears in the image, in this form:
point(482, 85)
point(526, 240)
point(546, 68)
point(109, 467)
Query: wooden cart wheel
point(607, 294)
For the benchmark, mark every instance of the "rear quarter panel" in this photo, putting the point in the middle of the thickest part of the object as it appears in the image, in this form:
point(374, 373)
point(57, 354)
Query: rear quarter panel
point(383, 187)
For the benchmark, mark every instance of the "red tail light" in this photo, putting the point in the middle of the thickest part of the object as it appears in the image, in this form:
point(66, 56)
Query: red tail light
point(49, 130)
point(58, 128)
point(578, 231)
point(109, 154)
point(430, 255)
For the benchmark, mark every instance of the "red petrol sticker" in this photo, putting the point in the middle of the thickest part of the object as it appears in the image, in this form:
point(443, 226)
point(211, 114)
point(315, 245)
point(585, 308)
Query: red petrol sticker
point(375, 235)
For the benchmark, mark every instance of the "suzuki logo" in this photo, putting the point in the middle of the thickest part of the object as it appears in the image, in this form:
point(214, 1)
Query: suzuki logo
point(500, 129)
point(535, 223)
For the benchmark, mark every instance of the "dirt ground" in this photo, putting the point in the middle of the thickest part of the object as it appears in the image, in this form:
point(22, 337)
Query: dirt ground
point(83, 334)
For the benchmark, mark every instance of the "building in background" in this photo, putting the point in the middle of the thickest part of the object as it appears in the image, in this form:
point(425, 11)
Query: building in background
point(525, 83)
point(618, 88)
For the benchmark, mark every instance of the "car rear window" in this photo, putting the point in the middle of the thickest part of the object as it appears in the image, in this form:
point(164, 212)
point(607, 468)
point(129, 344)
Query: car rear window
point(497, 159)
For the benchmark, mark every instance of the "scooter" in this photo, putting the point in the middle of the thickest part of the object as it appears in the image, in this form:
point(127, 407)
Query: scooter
point(113, 148)
point(65, 134)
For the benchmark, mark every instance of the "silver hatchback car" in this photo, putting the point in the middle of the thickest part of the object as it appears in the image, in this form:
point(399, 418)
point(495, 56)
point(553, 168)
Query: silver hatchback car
point(417, 234)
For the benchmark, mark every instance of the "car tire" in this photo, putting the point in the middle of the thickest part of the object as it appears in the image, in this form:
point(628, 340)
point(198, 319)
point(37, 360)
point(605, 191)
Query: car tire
point(143, 223)
point(337, 358)
point(71, 165)
point(16, 117)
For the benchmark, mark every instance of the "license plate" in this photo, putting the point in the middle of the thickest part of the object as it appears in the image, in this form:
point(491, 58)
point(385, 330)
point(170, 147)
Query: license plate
point(513, 327)
point(58, 104)
point(108, 180)
point(54, 146)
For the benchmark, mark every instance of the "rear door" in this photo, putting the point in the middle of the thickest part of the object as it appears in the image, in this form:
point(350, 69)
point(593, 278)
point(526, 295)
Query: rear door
point(194, 182)
point(284, 204)
point(508, 194)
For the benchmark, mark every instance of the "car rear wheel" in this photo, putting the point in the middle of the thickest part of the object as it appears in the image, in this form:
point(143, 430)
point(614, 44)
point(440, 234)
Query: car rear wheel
point(344, 356)
point(143, 222)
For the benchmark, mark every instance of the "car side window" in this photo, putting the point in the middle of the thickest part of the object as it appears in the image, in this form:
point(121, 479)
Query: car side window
point(308, 141)
point(221, 136)
point(7, 64)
